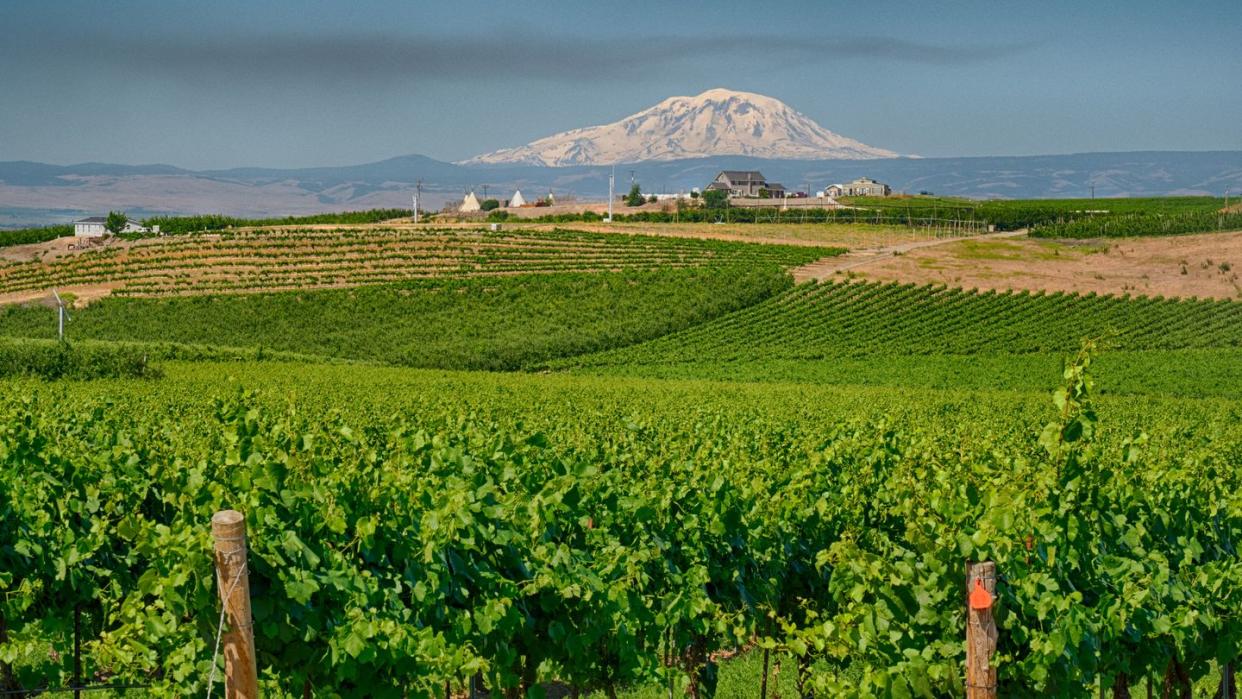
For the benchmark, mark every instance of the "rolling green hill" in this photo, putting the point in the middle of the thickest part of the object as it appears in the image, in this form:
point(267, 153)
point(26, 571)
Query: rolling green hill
point(481, 323)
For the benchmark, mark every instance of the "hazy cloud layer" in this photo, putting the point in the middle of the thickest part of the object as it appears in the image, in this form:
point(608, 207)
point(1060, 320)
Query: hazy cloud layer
point(381, 57)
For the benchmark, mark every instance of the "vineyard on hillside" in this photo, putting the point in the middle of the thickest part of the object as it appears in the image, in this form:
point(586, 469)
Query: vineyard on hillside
point(1207, 374)
point(1141, 225)
point(501, 322)
point(937, 215)
point(813, 321)
point(408, 531)
point(1013, 214)
point(309, 259)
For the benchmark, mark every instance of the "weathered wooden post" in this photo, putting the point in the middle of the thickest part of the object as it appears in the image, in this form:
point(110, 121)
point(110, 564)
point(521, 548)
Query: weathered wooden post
point(980, 630)
point(241, 678)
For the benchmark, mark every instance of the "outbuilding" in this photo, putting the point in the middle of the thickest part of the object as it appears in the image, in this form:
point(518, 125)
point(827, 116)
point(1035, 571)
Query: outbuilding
point(470, 203)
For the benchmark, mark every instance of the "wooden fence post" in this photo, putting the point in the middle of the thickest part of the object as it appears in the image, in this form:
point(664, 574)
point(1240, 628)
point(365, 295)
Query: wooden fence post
point(241, 678)
point(980, 630)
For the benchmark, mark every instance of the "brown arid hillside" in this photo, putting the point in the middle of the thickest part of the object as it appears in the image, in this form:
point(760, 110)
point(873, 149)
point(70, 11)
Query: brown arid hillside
point(1204, 266)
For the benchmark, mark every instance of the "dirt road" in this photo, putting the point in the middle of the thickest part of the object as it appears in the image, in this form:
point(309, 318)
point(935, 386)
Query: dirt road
point(828, 266)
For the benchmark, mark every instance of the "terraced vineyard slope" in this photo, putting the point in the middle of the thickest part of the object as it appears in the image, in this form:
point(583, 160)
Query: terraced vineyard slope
point(317, 259)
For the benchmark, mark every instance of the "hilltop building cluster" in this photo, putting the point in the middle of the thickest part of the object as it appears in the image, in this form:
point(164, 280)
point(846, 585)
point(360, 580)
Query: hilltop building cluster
point(471, 202)
point(741, 187)
point(751, 184)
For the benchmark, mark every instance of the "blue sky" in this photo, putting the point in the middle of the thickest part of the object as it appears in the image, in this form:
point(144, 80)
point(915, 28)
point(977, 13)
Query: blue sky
point(288, 84)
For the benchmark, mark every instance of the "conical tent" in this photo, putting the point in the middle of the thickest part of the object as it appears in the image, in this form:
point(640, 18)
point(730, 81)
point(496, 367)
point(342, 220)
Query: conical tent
point(517, 199)
point(470, 203)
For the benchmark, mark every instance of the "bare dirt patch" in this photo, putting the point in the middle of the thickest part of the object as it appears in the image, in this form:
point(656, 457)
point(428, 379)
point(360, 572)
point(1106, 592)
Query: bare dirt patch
point(54, 249)
point(1204, 266)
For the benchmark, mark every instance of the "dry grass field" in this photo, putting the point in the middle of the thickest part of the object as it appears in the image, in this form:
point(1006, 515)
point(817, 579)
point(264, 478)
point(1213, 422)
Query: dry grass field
point(1205, 266)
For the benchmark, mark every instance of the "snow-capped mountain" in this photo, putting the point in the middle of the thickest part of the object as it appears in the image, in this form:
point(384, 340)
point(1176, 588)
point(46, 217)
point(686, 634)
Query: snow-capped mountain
point(717, 122)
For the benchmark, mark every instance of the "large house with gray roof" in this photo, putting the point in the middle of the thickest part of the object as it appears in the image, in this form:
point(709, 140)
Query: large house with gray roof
point(745, 183)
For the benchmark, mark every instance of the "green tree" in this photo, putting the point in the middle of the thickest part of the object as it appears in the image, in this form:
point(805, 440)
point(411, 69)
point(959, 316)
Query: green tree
point(489, 204)
point(116, 222)
point(716, 199)
point(635, 197)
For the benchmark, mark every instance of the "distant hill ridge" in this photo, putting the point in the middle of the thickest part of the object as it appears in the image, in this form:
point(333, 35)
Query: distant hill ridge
point(38, 193)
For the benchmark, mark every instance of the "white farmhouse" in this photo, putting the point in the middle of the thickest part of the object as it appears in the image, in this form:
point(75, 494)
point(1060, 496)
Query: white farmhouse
point(96, 227)
point(861, 187)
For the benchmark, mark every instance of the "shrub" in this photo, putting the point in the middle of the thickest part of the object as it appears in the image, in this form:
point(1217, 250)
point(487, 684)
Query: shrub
point(489, 204)
point(26, 236)
point(716, 199)
point(116, 222)
point(60, 360)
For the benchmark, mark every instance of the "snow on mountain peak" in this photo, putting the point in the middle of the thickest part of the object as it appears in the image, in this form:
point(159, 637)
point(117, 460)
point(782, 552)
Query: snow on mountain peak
point(715, 122)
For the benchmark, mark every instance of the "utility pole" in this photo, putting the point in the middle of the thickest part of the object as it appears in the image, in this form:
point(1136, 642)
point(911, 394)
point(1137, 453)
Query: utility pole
point(485, 192)
point(611, 178)
point(418, 197)
point(631, 179)
point(61, 315)
point(1093, 191)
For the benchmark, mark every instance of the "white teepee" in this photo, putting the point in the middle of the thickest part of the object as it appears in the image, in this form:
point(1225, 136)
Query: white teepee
point(470, 203)
point(517, 199)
